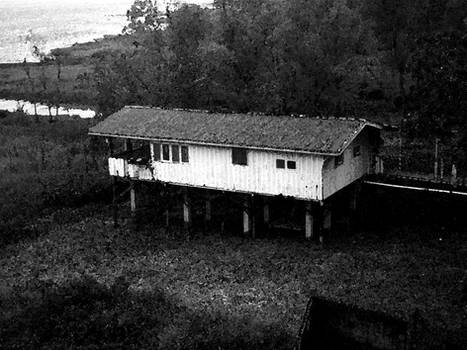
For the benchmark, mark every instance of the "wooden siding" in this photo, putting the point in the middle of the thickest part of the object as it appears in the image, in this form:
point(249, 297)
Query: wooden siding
point(353, 168)
point(212, 167)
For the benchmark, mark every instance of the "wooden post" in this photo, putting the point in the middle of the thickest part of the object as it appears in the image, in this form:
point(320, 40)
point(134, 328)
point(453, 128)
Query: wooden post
point(128, 145)
point(308, 221)
point(246, 216)
point(114, 201)
point(133, 201)
point(186, 211)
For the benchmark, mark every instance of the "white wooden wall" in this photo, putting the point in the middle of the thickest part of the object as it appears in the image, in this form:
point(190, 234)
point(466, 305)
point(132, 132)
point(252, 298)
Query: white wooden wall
point(352, 169)
point(212, 167)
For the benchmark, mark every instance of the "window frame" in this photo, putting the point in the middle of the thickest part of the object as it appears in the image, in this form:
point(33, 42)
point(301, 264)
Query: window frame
point(239, 156)
point(175, 153)
point(280, 163)
point(184, 151)
point(157, 150)
point(290, 162)
point(163, 159)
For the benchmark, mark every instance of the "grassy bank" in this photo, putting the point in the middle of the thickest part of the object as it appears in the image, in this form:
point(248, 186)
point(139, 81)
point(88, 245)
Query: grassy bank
point(43, 85)
point(67, 80)
point(116, 287)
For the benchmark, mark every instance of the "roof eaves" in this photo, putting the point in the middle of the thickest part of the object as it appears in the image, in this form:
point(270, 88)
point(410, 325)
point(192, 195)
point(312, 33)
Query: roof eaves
point(319, 153)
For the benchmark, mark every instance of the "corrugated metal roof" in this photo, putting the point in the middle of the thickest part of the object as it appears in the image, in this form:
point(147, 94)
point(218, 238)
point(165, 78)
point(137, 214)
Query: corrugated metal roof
point(310, 135)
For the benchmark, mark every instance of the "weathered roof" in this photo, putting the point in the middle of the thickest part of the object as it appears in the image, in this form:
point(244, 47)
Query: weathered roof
point(309, 135)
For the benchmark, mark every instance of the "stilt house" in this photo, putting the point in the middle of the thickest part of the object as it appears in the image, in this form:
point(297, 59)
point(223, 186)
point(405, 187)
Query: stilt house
point(309, 159)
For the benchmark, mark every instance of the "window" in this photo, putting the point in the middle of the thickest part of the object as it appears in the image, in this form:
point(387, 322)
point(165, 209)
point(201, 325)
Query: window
point(356, 151)
point(280, 164)
point(157, 152)
point(291, 164)
point(239, 156)
point(175, 154)
point(185, 158)
point(165, 152)
point(339, 160)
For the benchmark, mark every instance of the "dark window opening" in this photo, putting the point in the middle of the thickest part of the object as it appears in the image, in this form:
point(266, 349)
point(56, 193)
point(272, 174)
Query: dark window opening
point(185, 158)
point(291, 164)
point(239, 156)
point(175, 154)
point(280, 163)
point(356, 151)
point(165, 152)
point(339, 160)
point(157, 152)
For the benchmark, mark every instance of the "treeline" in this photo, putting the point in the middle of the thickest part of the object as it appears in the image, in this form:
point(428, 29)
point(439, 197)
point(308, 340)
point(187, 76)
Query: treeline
point(390, 60)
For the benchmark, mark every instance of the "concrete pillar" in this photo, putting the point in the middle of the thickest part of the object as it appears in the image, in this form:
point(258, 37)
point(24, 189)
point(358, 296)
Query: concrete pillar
point(308, 221)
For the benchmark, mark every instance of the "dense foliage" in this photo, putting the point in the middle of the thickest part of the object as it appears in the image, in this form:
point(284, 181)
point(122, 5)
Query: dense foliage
point(344, 57)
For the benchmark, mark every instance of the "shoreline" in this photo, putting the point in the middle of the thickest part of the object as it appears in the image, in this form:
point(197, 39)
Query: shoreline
point(76, 60)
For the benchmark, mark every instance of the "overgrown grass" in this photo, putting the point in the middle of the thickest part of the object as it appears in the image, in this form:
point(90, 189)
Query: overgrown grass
point(44, 166)
point(223, 291)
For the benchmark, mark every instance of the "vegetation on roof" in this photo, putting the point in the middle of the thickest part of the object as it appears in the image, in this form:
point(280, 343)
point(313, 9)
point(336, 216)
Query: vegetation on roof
point(316, 135)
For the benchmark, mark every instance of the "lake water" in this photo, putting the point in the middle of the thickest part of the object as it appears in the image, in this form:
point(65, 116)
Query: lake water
point(28, 108)
point(50, 24)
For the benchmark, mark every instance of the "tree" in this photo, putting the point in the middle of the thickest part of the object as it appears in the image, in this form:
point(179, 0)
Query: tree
point(143, 16)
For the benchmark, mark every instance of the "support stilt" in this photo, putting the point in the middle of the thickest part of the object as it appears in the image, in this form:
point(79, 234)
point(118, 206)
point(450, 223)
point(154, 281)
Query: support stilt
point(133, 203)
point(186, 211)
point(167, 221)
point(207, 214)
point(354, 206)
point(114, 201)
point(246, 216)
point(132, 198)
point(253, 217)
point(308, 221)
point(266, 218)
point(326, 220)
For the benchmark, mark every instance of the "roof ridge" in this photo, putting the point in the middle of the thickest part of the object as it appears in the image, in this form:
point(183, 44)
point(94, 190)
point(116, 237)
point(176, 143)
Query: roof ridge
point(256, 114)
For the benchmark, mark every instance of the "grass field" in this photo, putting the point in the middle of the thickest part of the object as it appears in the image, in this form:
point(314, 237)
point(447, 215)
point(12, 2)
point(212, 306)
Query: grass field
point(217, 291)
